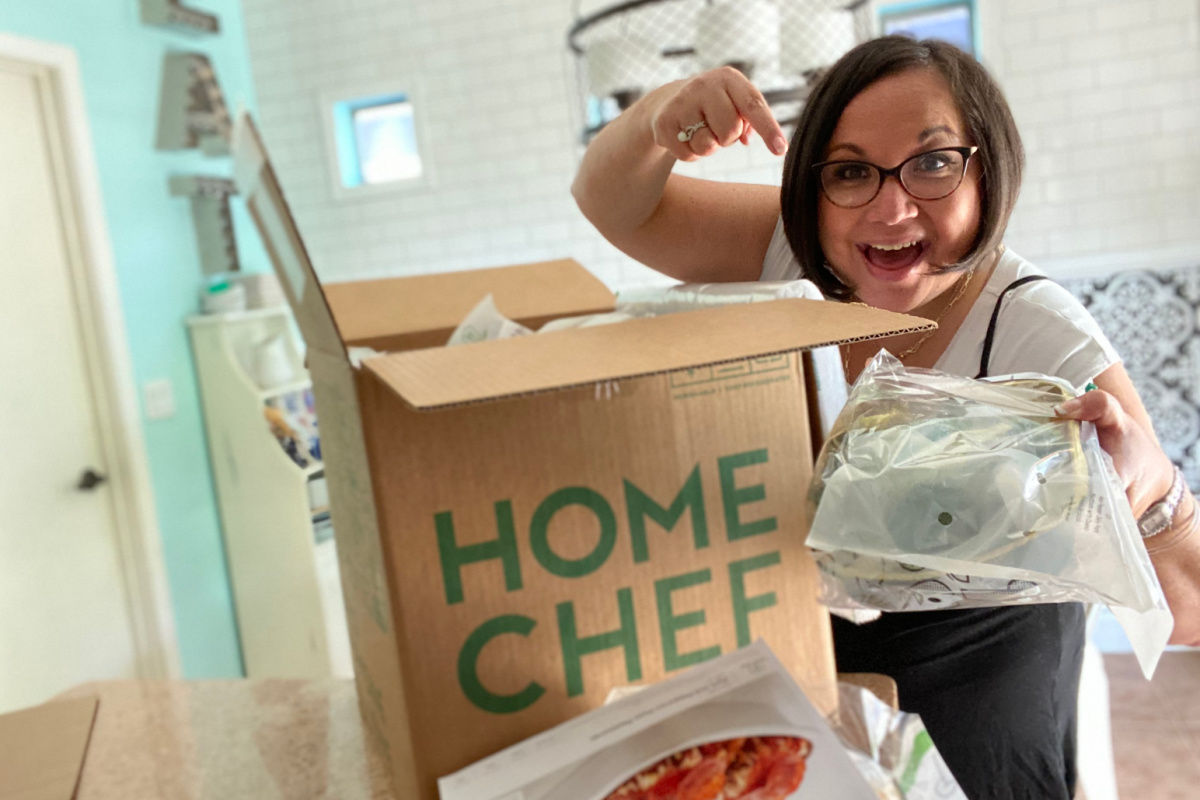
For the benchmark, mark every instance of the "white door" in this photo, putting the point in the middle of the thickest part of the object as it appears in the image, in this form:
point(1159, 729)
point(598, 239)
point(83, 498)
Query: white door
point(64, 613)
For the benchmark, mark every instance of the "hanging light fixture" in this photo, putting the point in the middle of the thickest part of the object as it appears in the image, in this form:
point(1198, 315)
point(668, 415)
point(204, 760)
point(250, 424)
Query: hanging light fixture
point(744, 34)
point(624, 50)
point(623, 68)
point(817, 39)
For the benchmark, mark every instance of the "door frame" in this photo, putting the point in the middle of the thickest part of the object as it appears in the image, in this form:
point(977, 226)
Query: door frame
point(110, 369)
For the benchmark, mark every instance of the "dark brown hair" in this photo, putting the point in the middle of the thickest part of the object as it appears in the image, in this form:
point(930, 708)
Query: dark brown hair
point(984, 111)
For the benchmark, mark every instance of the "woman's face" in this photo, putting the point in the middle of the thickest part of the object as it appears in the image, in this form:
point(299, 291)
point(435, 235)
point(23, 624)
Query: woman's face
point(892, 119)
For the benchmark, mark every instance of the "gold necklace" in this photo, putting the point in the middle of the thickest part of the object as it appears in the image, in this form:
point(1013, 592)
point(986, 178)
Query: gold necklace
point(962, 288)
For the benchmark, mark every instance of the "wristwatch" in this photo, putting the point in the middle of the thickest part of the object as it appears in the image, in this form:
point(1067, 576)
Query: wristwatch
point(1159, 516)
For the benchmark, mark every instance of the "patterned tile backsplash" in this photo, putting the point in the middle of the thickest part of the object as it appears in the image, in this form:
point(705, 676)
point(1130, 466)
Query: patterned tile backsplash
point(1151, 319)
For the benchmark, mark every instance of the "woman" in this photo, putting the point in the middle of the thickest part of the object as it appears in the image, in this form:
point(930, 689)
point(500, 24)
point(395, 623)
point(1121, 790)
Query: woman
point(897, 189)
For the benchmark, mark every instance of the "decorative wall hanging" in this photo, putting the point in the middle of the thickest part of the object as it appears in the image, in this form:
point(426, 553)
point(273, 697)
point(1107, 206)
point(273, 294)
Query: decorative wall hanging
point(210, 214)
point(624, 50)
point(174, 14)
point(1151, 319)
point(192, 111)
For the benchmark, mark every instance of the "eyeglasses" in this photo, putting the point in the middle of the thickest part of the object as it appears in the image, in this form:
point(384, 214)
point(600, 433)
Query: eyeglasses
point(931, 175)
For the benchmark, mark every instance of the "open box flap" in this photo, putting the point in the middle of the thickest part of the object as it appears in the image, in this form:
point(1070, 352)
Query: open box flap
point(42, 749)
point(451, 376)
point(423, 310)
point(257, 183)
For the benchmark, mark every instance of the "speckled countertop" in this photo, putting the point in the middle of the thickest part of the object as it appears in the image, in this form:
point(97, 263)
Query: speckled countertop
point(261, 739)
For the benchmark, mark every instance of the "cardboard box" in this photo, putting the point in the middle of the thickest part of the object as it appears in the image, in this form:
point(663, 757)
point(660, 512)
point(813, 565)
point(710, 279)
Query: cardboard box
point(42, 749)
point(513, 542)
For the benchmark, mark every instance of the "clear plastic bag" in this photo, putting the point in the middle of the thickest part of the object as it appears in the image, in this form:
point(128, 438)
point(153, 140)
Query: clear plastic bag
point(935, 491)
point(892, 749)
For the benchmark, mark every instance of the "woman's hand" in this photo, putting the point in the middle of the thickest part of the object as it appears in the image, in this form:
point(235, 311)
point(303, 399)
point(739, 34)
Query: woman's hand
point(694, 230)
point(1148, 474)
point(1144, 468)
point(731, 107)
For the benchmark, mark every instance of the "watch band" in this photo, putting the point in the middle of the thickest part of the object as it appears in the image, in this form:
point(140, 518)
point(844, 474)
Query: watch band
point(1161, 515)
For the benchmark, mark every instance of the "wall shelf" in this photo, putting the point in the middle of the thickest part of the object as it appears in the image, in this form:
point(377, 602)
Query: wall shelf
point(282, 558)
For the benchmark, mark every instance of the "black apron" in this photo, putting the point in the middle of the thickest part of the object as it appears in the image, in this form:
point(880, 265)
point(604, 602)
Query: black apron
point(997, 688)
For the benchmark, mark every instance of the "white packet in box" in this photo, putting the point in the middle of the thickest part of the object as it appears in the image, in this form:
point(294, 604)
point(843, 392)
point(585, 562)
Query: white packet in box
point(828, 375)
point(485, 323)
point(654, 301)
point(739, 720)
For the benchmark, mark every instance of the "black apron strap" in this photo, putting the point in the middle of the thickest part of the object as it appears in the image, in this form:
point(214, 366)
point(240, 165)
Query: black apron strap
point(991, 331)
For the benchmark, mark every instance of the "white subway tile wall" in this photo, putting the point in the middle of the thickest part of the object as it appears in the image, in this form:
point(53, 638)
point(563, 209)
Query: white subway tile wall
point(1107, 96)
point(1106, 93)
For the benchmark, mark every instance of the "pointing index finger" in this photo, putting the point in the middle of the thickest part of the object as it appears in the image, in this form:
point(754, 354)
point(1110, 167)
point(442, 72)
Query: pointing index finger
point(753, 107)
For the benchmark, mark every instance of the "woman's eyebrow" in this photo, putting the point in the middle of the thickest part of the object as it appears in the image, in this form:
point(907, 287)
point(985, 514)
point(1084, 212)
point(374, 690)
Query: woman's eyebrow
point(853, 148)
point(930, 132)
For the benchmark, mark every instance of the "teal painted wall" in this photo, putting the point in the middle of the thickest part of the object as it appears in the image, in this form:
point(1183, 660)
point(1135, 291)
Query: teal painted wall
point(159, 273)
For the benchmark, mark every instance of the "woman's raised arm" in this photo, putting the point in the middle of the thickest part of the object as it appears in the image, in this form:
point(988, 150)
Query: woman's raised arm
point(694, 230)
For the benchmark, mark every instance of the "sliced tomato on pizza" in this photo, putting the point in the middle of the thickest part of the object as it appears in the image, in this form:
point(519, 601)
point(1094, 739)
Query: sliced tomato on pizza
point(754, 768)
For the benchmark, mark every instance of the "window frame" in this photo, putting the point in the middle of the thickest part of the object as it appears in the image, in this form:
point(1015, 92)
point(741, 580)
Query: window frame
point(890, 12)
point(361, 96)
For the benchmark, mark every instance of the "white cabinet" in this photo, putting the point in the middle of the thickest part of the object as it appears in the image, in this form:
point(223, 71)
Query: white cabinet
point(280, 549)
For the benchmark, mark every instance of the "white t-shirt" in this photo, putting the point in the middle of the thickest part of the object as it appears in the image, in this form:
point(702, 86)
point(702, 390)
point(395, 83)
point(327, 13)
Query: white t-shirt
point(1042, 327)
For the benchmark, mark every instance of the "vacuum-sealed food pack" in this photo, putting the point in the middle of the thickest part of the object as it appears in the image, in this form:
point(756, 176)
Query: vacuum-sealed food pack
point(936, 491)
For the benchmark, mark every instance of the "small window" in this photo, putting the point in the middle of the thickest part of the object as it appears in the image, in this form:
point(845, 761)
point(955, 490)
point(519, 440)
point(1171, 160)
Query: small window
point(950, 21)
point(376, 141)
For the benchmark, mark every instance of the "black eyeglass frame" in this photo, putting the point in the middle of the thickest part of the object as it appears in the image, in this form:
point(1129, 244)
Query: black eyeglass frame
point(884, 174)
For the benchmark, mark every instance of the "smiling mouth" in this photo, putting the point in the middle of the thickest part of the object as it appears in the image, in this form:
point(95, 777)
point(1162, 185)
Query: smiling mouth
point(893, 257)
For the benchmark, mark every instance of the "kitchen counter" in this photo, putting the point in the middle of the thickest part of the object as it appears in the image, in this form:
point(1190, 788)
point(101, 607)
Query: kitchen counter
point(261, 739)
point(235, 739)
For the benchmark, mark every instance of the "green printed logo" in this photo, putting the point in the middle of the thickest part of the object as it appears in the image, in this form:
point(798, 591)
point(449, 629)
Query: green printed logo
point(468, 657)
point(539, 532)
point(639, 507)
point(574, 647)
point(669, 623)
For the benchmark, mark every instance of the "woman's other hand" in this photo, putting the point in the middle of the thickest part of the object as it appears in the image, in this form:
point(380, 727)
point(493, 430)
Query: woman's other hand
point(1143, 467)
point(1147, 474)
point(728, 104)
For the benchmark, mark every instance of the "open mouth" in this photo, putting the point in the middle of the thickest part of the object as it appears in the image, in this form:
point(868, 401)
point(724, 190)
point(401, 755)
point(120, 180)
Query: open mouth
point(893, 257)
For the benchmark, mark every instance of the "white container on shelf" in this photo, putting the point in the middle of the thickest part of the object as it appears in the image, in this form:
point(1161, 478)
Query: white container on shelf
point(273, 363)
point(223, 297)
point(262, 289)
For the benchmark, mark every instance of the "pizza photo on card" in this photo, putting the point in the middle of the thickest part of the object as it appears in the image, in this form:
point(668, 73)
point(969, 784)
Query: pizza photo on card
point(734, 728)
point(746, 768)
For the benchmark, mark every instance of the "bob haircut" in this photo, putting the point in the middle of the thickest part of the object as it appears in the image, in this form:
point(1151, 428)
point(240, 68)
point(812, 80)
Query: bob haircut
point(984, 111)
